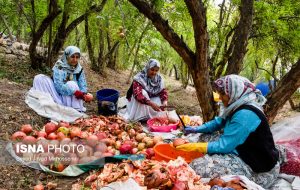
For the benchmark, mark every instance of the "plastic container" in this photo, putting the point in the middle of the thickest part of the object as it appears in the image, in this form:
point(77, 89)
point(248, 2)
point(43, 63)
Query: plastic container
point(166, 152)
point(161, 128)
point(110, 95)
point(107, 101)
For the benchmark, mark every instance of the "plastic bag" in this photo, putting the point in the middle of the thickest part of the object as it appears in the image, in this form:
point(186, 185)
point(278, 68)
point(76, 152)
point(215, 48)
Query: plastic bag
point(287, 133)
point(292, 165)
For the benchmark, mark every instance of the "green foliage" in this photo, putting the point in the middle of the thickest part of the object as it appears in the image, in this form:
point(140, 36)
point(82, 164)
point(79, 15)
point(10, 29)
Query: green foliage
point(275, 33)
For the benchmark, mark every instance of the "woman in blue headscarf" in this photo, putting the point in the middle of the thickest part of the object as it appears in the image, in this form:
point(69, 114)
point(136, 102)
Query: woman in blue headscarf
point(68, 85)
point(147, 93)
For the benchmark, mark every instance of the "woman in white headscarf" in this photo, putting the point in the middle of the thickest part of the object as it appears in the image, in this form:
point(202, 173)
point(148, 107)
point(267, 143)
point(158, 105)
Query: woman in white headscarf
point(68, 85)
point(146, 94)
point(245, 146)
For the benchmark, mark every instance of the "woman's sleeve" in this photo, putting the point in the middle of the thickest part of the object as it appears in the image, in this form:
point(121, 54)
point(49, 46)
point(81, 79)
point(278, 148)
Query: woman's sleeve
point(61, 87)
point(82, 82)
point(163, 95)
point(137, 93)
point(209, 127)
point(235, 133)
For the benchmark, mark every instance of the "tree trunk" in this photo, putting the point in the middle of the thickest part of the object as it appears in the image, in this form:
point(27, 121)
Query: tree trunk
point(240, 38)
point(7, 27)
point(138, 42)
point(197, 62)
point(284, 90)
point(36, 61)
point(101, 60)
point(64, 30)
point(89, 44)
point(49, 38)
point(110, 56)
point(176, 72)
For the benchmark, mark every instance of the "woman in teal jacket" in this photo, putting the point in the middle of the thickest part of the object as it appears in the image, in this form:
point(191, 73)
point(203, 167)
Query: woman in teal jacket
point(246, 145)
point(68, 85)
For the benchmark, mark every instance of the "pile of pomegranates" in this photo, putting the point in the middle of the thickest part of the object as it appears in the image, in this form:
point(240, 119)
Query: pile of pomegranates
point(63, 144)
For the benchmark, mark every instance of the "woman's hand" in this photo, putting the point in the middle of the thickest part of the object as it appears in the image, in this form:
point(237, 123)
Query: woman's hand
point(154, 106)
point(88, 97)
point(199, 147)
point(165, 103)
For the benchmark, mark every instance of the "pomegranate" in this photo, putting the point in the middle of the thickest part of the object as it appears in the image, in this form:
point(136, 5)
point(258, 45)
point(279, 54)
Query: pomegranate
point(92, 140)
point(42, 134)
point(52, 136)
point(157, 139)
point(60, 135)
point(101, 147)
point(88, 97)
point(38, 187)
point(150, 153)
point(29, 140)
point(125, 148)
point(64, 130)
point(141, 146)
point(19, 135)
point(101, 135)
point(27, 129)
point(50, 127)
point(139, 137)
point(75, 132)
point(179, 141)
point(64, 124)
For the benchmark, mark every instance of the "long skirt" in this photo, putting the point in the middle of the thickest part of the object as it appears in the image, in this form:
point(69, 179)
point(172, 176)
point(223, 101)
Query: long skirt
point(45, 84)
point(215, 165)
point(136, 111)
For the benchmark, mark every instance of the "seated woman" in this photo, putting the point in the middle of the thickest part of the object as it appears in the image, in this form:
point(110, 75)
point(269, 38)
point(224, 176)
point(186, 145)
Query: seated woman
point(246, 146)
point(68, 86)
point(146, 94)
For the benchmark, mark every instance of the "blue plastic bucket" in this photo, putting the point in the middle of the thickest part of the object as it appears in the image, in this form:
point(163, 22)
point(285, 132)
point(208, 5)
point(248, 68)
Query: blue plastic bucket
point(108, 101)
point(109, 95)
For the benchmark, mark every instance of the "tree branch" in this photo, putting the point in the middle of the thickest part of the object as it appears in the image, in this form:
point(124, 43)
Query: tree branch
point(165, 29)
point(78, 20)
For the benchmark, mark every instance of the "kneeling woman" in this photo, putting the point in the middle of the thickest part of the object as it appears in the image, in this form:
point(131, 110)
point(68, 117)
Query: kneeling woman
point(146, 94)
point(68, 85)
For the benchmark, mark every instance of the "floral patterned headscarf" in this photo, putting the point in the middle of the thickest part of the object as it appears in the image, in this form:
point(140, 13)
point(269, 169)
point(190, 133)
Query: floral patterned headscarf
point(240, 91)
point(152, 85)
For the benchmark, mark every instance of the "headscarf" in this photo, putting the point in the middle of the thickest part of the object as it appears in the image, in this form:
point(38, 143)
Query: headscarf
point(62, 63)
point(240, 91)
point(152, 85)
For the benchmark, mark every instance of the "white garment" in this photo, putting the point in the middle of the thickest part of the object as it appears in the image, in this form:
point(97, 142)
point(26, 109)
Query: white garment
point(137, 111)
point(45, 84)
point(44, 105)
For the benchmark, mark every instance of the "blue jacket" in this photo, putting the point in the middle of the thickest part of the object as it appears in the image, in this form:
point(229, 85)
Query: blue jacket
point(62, 73)
point(236, 131)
